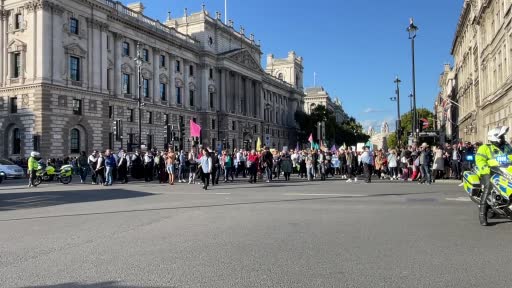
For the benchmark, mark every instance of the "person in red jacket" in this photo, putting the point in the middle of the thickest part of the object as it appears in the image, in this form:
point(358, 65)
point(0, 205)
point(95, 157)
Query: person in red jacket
point(252, 164)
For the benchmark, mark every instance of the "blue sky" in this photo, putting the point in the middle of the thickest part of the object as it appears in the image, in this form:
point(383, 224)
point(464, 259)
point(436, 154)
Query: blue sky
point(356, 47)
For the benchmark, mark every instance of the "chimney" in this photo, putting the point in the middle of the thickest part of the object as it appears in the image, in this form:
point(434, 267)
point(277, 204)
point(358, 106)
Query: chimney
point(447, 67)
point(137, 7)
point(270, 59)
point(291, 55)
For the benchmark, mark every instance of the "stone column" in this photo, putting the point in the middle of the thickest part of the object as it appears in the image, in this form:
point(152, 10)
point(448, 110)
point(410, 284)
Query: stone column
point(249, 97)
point(117, 85)
point(223, 91)
point(156, 76)
point(228, 93)
point(237, 95)
point(204, 94)
point(185, 93)
point(172, 81)
point(104, 58)
point(2, 47)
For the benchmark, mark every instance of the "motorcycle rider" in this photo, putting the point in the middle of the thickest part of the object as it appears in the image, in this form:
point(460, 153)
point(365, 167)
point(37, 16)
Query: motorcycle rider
point(485, 159)
point(33, 164)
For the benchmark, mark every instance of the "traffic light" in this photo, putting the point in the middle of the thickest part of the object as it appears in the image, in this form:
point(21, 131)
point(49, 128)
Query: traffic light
point(420, 125)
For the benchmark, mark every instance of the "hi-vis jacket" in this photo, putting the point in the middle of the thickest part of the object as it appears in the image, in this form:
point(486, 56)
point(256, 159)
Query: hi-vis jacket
point(488, 155)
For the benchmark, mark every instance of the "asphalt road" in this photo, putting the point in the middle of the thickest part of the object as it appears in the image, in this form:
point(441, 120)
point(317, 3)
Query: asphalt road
point(298, 234)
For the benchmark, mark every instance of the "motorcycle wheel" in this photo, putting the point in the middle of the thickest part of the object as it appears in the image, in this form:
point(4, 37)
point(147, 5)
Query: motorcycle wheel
point(46, 178)
point(65, 179)
point(37, 181)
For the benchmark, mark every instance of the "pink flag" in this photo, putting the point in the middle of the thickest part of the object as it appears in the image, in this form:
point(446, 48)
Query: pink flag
point(310, 139)
point(195, 130)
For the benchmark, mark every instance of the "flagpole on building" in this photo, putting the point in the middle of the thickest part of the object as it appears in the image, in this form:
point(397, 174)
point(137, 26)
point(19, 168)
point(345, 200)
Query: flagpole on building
point(225, 11)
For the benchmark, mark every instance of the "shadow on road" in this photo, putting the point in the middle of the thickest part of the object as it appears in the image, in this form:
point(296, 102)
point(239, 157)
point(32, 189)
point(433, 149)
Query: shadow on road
point(110, 284)
point(28, 200)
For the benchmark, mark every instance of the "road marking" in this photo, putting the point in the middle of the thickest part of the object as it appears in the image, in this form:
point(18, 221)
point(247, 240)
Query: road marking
point(461, 199)
point(318, 194)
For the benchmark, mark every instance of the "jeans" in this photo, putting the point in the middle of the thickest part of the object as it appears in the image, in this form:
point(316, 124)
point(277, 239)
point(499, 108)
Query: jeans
point(83, 173)
point(310, 172)
point(228, 172)
point(368, 171)
point(108, 175)
point(268, 171)
point(181, 172)
point(425, 172)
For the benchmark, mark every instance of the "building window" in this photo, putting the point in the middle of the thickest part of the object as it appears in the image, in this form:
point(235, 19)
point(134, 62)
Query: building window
point(77, 107)
point(191, 71)
point(178, 66)
point(126, 84)
point(73, 26)
point(131, 115)
point(126, 49)
point(213, 124)
point(111, 140)
point(109, 79)
point(13, 105)
point(74, 68)
point(110, 112)
point(36, 141)
point(150, 117)
point(211, 73)
point(17, 65)
point(145, 55)
point(16, 141)
point(131, 143)
point(191, 98)
point(280, 76)
point(178, 95)
point(233, 125)
point(145, 87)
point(74, 141)
point(163, 92)
point(211, 99)
point(108, 42)
point(17, 21)
point(162, 60)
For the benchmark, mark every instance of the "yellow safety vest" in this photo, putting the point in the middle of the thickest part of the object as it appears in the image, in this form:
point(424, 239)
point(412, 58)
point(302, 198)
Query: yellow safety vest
point(486, 157)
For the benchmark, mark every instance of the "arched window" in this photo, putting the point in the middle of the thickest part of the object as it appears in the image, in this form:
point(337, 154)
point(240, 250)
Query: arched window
point(16, 141)
point(74, 141)
point(280, 76)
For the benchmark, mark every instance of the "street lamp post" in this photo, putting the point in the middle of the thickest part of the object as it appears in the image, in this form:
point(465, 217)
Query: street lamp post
point(138, 62)
point(412, 29)
point(398, 122)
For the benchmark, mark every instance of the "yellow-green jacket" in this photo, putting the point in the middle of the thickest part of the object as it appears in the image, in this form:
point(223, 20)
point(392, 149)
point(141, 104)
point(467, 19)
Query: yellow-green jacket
point(32, 164)
point(485, 157)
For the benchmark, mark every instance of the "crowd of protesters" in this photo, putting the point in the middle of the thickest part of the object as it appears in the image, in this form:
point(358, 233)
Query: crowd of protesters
point(203, 166)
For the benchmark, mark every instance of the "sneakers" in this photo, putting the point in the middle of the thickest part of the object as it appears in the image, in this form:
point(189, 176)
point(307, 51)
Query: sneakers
point(349, 181)
point(355, 180)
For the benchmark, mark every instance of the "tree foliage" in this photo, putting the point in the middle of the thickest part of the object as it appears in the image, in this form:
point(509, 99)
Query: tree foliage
point(348, 132)
point(406, 125)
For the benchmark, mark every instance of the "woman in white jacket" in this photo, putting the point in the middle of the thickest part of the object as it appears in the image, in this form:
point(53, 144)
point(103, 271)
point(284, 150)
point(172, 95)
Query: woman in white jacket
point(393, 165)
point(206, 166)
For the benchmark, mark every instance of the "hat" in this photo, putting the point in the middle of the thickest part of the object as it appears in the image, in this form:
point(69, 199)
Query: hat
point(424, 145)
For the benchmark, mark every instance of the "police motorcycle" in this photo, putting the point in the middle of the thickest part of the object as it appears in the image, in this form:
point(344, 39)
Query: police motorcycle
point(500, 197)
point(48, 173)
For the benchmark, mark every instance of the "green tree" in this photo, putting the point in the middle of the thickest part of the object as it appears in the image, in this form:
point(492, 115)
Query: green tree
point(392, 140)
point(406, 122)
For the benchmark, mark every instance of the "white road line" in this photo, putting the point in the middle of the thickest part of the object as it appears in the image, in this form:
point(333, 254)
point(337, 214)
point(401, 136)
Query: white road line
point(461, 199)
point(318, 194)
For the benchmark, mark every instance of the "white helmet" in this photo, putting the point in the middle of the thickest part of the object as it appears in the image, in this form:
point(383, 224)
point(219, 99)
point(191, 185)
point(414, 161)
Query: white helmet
point(495, 134)
point(34, 154)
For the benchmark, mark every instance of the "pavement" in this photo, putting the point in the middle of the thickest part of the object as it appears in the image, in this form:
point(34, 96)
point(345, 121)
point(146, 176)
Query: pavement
point(282, 234)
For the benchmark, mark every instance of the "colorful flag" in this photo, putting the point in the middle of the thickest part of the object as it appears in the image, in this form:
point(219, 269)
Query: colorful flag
point(258, 145)
point(297, 147)
point(333, 149)
point(310, 139)
point(195, 129)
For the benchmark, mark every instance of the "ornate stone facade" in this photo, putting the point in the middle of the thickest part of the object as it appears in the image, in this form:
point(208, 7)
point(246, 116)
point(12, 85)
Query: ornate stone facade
point(482, 53)
point(67, 74)
point(318, 96)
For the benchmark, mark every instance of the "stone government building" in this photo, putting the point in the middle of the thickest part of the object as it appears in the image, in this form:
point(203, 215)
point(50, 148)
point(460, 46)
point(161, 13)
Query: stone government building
point(67, 73)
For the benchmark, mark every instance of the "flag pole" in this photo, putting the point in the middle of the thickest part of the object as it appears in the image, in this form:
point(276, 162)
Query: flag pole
point(225, 11)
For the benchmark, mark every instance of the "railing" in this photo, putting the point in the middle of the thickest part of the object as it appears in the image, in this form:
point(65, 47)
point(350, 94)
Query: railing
point(146, 21)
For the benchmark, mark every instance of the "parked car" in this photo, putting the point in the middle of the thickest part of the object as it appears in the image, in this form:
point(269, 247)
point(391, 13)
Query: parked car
point(10, 169)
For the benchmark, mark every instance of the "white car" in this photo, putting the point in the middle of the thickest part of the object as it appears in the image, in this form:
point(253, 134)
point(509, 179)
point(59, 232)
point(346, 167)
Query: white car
point(10, 169)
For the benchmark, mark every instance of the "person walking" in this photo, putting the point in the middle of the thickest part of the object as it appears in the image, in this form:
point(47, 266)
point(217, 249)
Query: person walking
point(367, 160)
point(170, 162)
point(425, 159)
point(182, 159)
point(93, 164)
point(252, 164)
point(83, 166)
point(100, 169)
point(192, 160)
point(286, 166)
point(268, 161)
point(393, 165)
point(206, 168)
point(122, 167)
point(351, 165)
point(227, 161)
point(215, 174)
point(110, 164)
